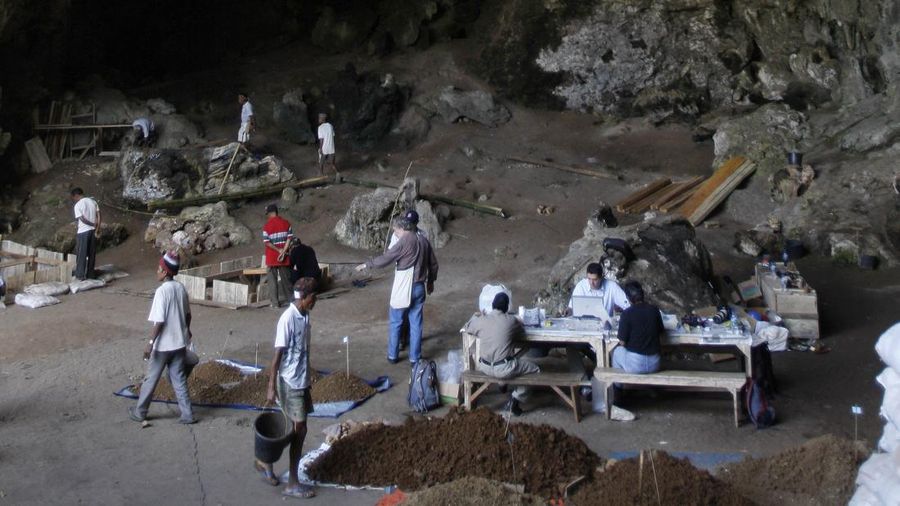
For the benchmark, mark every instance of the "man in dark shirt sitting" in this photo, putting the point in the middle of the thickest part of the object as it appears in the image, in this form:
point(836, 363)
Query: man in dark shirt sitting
point(304, 263)
point(639, 329)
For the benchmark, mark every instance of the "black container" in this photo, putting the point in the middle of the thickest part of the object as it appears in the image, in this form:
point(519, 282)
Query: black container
point(795, 158)
point(273, 433)
point(868, 262)
point(794, 249)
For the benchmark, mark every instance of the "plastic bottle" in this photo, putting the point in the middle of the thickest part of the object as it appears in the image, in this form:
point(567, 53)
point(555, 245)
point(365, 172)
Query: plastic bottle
point(735, 324)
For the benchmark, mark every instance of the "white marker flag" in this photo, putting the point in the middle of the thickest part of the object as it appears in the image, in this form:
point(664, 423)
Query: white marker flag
point(856, 410)
point(346, 339)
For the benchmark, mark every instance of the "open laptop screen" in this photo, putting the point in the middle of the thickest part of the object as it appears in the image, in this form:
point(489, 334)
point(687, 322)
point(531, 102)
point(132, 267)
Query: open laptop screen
point(589, 306)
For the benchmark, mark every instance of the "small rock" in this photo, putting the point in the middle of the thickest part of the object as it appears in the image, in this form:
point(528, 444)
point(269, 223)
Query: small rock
point(483, 197)
point(289, 196)
point(145, 424)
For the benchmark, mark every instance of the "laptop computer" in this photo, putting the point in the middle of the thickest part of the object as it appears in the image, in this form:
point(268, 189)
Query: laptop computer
point(589, 306)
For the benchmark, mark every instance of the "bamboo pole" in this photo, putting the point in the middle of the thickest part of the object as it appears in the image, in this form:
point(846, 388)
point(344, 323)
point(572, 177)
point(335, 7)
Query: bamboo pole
point(259, 192)
point(496, 211)
point(565, 168)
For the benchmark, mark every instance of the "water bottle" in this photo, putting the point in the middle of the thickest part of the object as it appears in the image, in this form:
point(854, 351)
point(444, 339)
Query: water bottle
point(785, 257)
point(735, 324)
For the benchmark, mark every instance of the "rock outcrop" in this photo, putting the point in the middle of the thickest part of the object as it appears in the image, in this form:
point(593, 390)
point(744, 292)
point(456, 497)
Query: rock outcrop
point(291, 116)
point(452, 104)
point(197, 229)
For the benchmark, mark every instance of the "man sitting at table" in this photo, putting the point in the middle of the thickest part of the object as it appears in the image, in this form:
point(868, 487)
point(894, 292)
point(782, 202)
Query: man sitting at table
point(639, 329)
point(497, 331)
point(596, 285)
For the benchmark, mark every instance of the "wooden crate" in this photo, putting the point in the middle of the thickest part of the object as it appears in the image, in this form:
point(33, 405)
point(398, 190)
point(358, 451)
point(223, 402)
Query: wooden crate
point(22, 265)
point(798, 307)
point(223, 284)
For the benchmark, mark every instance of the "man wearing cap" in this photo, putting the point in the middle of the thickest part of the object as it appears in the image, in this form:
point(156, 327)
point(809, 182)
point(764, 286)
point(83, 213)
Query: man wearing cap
point(416, 272)
point(277, 237)
point(87, 216)
point(496, 332)
point(170, 314)
point(289, 382)
point(325, 143)
point(412, 217)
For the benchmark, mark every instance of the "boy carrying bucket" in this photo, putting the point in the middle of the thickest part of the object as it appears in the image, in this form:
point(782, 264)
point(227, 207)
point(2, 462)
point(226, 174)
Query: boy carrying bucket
point(289, 380)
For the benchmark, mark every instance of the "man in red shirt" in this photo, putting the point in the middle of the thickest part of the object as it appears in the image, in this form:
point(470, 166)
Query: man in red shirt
point(277, 237)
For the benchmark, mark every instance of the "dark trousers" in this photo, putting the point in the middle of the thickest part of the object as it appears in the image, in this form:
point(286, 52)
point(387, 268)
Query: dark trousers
point(85, 254)
point(279, 280)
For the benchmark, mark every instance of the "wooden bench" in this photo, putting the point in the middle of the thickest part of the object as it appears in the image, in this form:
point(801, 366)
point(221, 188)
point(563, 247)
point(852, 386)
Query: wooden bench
point(554, 380)
point(732, 382)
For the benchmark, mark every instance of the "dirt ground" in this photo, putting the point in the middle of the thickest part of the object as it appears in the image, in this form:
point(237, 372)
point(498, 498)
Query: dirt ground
point(65, 439)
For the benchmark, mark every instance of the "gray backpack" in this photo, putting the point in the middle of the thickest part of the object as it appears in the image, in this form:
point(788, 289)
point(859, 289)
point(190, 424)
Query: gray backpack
point(423, 387)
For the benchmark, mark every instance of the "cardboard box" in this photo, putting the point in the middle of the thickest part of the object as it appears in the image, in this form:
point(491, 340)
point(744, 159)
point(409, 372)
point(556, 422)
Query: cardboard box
point(450, 393)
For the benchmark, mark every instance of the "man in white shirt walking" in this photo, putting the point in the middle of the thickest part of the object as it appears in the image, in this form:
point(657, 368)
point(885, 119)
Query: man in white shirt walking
point(248, 120)
point(289, 381)
point(170, 314)
point(325, 143)
point(87, 216)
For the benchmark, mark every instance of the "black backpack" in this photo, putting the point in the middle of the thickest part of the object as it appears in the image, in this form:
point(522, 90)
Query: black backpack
point(423, 387)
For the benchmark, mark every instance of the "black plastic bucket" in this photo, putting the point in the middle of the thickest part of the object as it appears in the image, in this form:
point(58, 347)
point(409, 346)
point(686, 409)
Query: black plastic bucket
point(794, 249)
point(795, 158)
point(868, 262)
point(273, 433)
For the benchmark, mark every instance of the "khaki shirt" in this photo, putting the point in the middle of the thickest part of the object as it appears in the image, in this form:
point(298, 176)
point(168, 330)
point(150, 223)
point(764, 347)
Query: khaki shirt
point(496, 331)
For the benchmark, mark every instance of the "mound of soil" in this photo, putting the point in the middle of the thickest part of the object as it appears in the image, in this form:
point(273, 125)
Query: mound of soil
point(471, 491)
point(426, 452)
point(340, 387)
point(678, 480)
point(205, 383)
point(215, 373)
point(822, 471)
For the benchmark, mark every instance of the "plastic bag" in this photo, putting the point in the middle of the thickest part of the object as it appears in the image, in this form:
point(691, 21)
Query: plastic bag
point(49, 288)
point(488, 292)
point(775, 336)
point(888, 346)
point(890, 438)
point(880, 476)
point(450, 370)
point(87, 284)
point(35, 301)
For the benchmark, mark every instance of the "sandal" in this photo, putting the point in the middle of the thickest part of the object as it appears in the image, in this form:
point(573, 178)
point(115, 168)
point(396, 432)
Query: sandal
point(299, 492)
point(266, 474)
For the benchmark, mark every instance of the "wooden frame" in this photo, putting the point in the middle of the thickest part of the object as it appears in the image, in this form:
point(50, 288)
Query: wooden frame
point(22, 265)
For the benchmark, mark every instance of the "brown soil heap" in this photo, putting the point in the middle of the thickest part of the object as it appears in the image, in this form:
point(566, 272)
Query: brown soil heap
point(679, 483)
point(820, 472)
point(427, 452)
point(340, 387)
point(204, 383)
point(471, 491)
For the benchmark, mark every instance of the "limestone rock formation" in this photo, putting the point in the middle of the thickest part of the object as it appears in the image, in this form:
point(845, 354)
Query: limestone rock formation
point(197, 229)
point(111, 234)
point(452, 104)
point(292, 118)
point(671, 263)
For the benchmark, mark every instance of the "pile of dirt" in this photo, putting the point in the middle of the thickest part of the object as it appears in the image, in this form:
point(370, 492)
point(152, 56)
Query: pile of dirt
point(819, 472)
point(205, 382)
point(339, 387)
point(471, 491)
point(678, 480)
point(426, 452)
point(216, 373)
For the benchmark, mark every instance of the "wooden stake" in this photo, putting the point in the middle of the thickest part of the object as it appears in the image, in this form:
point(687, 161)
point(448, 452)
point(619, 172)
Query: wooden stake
point(228, 170)
point(387, 240)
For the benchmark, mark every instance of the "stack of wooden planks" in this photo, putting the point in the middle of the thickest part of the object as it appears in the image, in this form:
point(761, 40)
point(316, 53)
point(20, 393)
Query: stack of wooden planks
point(660, 195)
point(716, 189)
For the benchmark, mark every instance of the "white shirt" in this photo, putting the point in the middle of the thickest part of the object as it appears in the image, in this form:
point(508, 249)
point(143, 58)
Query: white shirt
point(246, 112)
point(326, 135)
point(171, 307)
point(292, 333)
point(610, 291)
point(145, 124)
point(394, 237)
point(86, 207)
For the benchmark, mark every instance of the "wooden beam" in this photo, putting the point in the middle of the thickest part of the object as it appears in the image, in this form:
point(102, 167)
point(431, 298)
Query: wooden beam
point(496, 211)
point(565, 168)
point(648, 189)
point(644, 203)
point(721, 192)
point(676, 191)
point(259, 192)
point(677, 201)
point(719, 176)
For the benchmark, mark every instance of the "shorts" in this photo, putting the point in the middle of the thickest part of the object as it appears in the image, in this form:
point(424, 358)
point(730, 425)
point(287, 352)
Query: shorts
point(295, 404)
point(244, 133)
point(326, 160)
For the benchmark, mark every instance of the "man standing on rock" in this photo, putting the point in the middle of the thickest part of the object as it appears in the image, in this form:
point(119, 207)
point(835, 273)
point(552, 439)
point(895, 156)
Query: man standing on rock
point(417, 270)
point(289, 381)
point(325, 143)
point(277, 236)
point(87, 216)
point(248, 121)
point(170, 314)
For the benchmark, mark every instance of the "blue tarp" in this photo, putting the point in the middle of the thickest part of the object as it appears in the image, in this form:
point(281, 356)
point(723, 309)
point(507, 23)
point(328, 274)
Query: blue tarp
point(320, 409)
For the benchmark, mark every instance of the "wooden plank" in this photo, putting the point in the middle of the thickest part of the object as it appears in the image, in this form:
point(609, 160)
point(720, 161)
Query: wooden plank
point(713, 183)
point(195, 286)
point(643, 204)
point(14, 263)
point(37, 155)
point(232, 294)
point(677, 201)
point(565, 168)
point(676, 191)
point(719, 196)
point(536, 379)
point(643, 192)
point(667, 377)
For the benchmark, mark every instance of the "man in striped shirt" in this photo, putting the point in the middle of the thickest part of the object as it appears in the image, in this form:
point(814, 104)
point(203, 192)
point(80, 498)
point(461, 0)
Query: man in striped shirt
point(277, 237)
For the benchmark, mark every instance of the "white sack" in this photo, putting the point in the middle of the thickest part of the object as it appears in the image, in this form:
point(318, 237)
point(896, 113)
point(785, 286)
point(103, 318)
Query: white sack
point(49, 288)
point(888, 346)
point(486, 299)
point(35, 301)
point(775, 336)
point(890, 438)
point(87, 284)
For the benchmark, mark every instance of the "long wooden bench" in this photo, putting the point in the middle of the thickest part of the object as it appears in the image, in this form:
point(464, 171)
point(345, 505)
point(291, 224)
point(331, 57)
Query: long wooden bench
point(732, 382)
point(554, 380)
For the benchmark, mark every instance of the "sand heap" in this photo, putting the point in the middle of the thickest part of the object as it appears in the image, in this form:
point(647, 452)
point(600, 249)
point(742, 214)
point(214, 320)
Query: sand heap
point(216, 383)
point(678, 480)
point(819, 472)
point(427, 452)
point(471, 491)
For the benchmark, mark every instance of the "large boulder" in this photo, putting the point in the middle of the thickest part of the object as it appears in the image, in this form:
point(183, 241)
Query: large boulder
point(197, 229)
point(338, 30)
point(111, 234)
point(673, 266)
point(452, 104)
point(291, 116)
